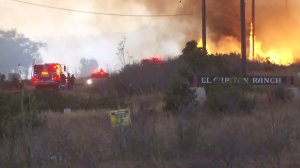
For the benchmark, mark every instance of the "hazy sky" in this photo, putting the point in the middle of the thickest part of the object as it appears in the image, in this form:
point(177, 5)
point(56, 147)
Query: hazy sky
point(72, 35)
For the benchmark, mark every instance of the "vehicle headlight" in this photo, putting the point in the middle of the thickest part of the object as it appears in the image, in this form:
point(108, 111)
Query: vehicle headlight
point(89, 81)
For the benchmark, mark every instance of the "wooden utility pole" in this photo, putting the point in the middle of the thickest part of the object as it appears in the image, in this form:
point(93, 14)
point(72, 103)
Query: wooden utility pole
point(204, 24)
point(243, 38)
point(253, 30)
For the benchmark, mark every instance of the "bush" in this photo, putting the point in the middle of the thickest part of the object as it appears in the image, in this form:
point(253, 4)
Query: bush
point(55, 100)
point(222, 97)
point(178, 95)
point(14, 110)
point(138, 79)
point(50, 99)
point(282, 94)
point(2, 77)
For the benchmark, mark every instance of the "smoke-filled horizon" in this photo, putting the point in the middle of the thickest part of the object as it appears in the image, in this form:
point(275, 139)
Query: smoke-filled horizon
point(277, 24)
point(71, 36)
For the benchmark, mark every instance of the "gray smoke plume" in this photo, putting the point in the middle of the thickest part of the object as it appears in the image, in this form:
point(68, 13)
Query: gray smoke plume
point(98, 36)
point(223, 16)
point(277, 22)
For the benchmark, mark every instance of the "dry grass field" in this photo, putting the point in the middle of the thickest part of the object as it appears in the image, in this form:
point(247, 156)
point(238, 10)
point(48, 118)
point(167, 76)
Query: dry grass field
point(263, 131)
point(268, 137)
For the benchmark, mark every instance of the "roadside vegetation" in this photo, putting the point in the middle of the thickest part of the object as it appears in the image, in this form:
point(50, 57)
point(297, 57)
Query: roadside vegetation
point(237, 126)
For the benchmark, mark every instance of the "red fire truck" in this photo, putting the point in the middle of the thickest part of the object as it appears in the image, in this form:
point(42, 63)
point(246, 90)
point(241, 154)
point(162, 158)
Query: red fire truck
point(152, 60)
point(97, 75)
point(49, 75)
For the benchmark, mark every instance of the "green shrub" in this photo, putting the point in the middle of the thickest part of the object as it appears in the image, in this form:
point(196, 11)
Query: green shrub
point(2, 77)
point(223, 97)
point(16, 109)
point(178, 95)
point(55, 100)
point(50, 99)
point(282, 94)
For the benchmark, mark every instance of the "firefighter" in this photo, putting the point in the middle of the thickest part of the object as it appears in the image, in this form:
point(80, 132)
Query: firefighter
point(69, 81)
point(72, 81)
point(63, 79)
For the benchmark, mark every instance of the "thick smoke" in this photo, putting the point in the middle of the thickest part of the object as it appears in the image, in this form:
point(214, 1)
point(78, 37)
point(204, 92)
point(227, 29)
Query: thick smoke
point(222, 15)
point(277, 23)
point(97, 36)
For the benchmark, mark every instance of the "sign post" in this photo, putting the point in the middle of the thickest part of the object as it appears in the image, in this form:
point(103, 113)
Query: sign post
point(120, 117)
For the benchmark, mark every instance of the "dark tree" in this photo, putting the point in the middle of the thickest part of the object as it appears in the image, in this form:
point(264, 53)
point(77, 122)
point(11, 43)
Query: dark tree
point(87, 66)
point(16, 49)
point(194, 57)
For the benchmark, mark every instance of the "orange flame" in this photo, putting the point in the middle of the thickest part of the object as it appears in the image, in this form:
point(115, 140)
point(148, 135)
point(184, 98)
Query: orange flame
point(227, 44)
point(281, 56)
point(199, 45)
point(251, 40)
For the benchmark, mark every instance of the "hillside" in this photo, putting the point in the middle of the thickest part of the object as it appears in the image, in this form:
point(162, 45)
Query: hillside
point(237, 126)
